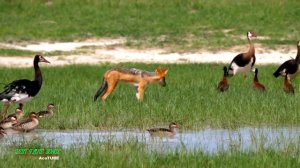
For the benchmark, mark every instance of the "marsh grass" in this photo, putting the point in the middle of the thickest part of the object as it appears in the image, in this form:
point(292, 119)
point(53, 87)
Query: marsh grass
point(190, 98)
point(133, 154)
point(179, 24)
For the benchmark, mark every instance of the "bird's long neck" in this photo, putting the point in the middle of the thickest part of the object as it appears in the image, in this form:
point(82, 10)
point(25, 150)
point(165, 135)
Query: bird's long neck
point(38, 74)
point(225, 75)
point(251, 51)
point(255, 78)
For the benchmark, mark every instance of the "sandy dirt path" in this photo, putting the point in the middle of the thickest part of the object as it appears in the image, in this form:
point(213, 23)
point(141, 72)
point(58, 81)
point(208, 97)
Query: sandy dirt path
point(123, 54)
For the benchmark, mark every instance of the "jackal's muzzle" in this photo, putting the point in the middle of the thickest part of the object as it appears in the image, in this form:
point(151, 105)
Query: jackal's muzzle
point(162, 82)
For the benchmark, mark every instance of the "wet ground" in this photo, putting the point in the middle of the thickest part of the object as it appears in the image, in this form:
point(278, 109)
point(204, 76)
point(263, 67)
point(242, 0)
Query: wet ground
point(207, 140)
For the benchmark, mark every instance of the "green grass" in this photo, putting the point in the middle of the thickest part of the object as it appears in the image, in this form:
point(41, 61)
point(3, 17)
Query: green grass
point(180, 24)
point(133, 154)
point(190, 98)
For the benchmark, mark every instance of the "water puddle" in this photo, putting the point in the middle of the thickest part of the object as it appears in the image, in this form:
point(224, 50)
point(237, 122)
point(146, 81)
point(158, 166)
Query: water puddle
point(207, 140)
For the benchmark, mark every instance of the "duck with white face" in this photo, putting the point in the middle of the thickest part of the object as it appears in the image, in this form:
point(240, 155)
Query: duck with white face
point(243, 63)
point(290, 67)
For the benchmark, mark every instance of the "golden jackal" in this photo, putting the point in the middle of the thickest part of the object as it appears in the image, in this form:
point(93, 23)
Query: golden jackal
point(138, 78)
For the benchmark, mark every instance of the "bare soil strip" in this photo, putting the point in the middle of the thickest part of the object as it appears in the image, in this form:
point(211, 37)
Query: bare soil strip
point(108, 54)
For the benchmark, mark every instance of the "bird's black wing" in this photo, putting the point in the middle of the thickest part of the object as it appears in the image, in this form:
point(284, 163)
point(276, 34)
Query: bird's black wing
point(240, 60)
point(290, 67)
point(16, 87)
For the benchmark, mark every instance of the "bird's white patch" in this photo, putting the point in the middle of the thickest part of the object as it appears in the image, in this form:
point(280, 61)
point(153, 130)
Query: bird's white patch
point(5, 100)
point(243, 70)
point(20, 98)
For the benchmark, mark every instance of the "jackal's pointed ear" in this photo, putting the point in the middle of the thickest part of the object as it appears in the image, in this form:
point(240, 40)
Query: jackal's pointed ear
point(161, 72)
point(165, 71)
point(158, 71)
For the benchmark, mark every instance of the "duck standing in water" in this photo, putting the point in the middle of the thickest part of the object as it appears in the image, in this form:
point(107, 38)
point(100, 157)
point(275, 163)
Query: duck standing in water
point(28, 125)
point(164, 132)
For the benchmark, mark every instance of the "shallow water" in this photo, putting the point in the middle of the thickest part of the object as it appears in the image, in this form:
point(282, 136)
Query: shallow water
point(207, 140)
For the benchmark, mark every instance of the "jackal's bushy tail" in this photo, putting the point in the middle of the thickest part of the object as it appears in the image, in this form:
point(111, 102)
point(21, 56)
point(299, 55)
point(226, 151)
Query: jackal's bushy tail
point(101, 90)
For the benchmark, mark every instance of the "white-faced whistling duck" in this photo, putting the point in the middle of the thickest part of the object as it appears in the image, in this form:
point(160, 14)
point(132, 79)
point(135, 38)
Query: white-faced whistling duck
point(256, 84)
point(287, 85)
point(223, 84)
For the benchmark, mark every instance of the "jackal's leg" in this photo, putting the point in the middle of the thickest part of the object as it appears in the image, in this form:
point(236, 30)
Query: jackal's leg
point(136, 86)
point(111, 86)
point(140, 94)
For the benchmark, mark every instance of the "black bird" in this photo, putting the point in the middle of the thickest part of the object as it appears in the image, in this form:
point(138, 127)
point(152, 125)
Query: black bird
point(290, 67)
point(243, 62)
point(23, 90)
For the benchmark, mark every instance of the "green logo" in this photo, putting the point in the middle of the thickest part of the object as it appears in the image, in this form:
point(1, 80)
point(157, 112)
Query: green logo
point(37, 151)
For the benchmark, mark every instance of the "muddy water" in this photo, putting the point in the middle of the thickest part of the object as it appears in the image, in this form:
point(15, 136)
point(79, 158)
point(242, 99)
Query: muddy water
point(207, 140)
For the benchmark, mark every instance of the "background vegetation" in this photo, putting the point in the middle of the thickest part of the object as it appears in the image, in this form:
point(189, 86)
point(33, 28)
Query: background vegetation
point(180, 24)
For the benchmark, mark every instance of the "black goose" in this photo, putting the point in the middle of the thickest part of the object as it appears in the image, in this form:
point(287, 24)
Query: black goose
point(290, 67)
point(243, 62)
point(21, 91)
